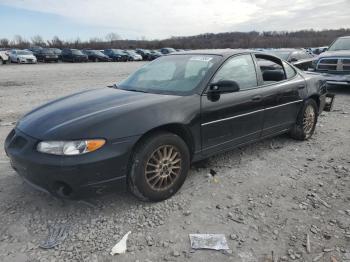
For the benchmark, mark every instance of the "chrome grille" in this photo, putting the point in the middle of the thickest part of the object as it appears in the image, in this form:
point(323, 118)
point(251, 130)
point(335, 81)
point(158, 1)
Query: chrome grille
point(334, 64)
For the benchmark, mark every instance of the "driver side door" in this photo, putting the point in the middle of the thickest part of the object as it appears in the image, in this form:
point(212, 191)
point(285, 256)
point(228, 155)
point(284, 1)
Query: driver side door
point(234, 118)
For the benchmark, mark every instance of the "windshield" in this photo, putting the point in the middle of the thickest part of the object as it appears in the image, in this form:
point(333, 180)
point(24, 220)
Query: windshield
point(118, 52)
point(48, 51)
point(281, 54)
point(96, 52)
point(176, 74)
point(24, 53)
point(340, 44)
point(76, 52)
point(130, 52)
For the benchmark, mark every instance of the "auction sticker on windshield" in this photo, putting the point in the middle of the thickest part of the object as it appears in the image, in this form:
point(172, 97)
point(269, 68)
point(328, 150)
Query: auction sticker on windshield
point(201, 58)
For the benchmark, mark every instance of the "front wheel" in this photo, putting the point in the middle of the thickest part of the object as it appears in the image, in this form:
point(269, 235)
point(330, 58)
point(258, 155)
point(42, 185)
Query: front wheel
point(306, 121)
point(159, 167)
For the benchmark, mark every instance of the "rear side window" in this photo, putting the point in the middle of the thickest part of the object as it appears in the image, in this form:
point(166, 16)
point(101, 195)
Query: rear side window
point(240, 69)
point(290, 72)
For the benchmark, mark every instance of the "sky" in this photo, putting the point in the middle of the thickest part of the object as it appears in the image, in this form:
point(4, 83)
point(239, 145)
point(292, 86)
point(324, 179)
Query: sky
point(160, 19)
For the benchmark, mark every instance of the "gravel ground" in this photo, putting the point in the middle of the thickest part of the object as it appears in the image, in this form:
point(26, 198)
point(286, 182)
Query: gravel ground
point(268, 198)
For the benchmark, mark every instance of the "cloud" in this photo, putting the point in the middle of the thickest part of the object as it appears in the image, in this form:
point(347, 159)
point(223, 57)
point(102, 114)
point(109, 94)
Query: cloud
point(165, 18)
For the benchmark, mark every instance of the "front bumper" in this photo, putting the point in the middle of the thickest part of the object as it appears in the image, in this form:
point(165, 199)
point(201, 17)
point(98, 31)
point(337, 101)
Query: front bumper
point(333, 79)
point(27, 61)
point(70, 176)
point(52, 58)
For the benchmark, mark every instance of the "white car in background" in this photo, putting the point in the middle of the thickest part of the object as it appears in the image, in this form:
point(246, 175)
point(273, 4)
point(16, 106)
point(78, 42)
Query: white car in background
point(4, 58)
point(22, 57)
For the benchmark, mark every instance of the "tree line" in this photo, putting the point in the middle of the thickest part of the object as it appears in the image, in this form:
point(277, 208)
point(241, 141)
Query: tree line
point(268, 39)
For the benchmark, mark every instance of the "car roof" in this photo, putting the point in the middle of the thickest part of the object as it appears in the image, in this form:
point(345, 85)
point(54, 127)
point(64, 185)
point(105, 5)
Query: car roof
point(220, 52)
point(347, 36)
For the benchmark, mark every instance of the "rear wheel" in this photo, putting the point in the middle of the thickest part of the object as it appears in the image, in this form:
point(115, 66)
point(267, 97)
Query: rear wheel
point(159, 167)
point(306, 121)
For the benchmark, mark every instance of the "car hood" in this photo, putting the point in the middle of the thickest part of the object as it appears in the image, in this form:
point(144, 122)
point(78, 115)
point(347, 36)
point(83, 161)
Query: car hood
point(26, 56)
point(340, 53)
point(74, 114)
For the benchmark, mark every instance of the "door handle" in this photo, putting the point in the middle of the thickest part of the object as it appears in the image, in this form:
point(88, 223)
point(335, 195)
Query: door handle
point(256, 98)
point(301, 86)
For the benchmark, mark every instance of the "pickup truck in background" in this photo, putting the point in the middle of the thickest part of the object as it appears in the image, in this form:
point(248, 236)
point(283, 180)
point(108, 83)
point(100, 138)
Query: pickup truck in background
point(334, 64)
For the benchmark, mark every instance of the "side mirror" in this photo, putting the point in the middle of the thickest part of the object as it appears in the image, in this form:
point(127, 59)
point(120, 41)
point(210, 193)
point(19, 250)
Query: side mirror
point(221, 87)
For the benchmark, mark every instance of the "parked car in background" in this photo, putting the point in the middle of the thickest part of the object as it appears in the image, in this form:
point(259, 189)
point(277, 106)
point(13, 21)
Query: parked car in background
point(116, 55)
point(58, 52)
point(335, 62)
point(4, 57)
point(46, 55)
point(155, 54)
point(167, 50)
point(132, 55)
point(35, 49)
point(22, 57)
point(96, 56)
point(73, 55)
point(146, 54)
point(145, 132)
point(319, 50)
point(298, 57)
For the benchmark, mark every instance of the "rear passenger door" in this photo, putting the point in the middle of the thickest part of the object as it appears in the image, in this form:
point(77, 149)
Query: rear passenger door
point(283, 91)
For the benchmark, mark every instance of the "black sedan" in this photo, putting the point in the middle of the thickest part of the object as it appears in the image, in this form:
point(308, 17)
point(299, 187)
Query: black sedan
point(96, 56)
point(145, 132)
point(46, 55)
point(73, 55)
point(116, 55)
point(154, 54)
point(146, 54)
point(167, 50)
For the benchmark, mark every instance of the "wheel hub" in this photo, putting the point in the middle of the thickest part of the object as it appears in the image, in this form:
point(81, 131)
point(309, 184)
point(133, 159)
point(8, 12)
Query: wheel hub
point(163, 167)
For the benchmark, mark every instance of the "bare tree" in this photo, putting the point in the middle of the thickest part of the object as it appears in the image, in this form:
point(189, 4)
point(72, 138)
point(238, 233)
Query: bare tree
point(112, 37)
point(4, 42)
point(56, 42)
point(19, 42)
point(37, 40)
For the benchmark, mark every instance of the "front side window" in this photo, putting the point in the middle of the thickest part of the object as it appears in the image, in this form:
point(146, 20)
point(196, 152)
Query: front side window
point(240, 69)
point(175, 74)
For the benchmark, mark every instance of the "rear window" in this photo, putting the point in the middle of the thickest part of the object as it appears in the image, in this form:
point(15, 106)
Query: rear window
point(290, 72)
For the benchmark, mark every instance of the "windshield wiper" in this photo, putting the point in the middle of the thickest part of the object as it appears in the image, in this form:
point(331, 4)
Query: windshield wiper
point(135, 90)
point(113, 86)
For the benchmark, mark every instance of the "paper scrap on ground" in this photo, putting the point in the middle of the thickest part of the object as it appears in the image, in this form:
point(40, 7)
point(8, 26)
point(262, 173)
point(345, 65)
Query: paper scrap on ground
point(120, 247)
point(209, 241)
point(57, 234)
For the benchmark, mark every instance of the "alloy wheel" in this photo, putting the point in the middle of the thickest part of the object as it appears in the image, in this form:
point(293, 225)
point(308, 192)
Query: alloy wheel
point(309, 120)
point(163, 167)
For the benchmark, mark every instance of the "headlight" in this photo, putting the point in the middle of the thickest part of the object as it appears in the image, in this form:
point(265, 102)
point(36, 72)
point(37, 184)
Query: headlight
point(70, 148)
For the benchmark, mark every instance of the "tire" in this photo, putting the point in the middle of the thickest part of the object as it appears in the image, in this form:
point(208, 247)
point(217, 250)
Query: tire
point(306, 121)
point(146, 180)
point(18, 62)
